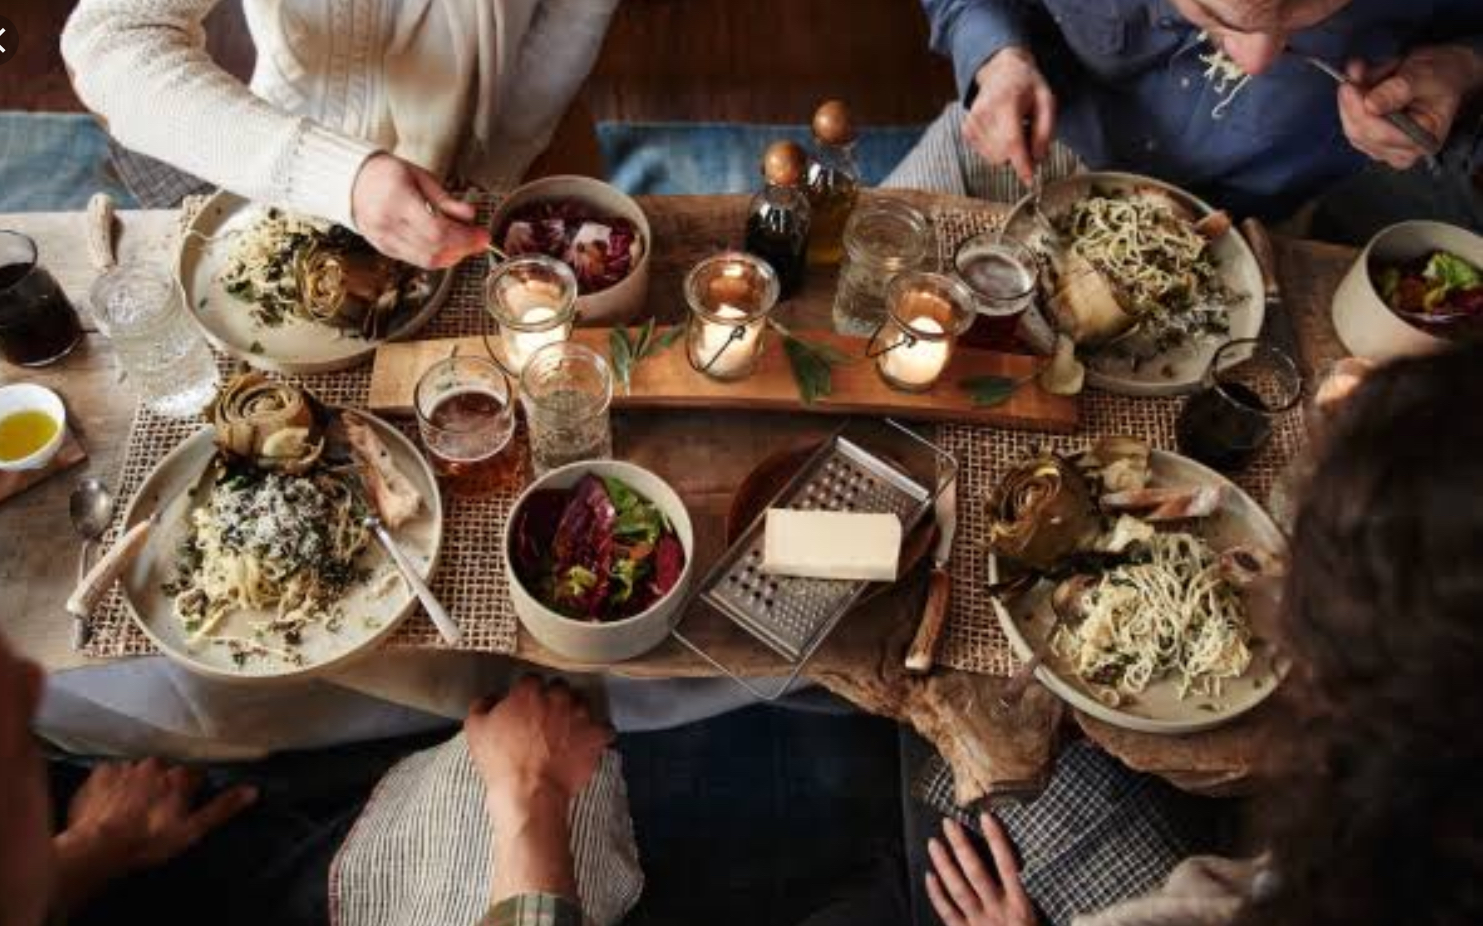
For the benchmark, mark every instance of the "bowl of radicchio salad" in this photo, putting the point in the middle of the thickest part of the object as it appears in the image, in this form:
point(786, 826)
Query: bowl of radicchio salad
point(599, 556)
point(590, 226)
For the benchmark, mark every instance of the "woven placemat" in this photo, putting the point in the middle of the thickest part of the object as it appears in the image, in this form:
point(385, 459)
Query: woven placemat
point(470, 580)
point(973, 640)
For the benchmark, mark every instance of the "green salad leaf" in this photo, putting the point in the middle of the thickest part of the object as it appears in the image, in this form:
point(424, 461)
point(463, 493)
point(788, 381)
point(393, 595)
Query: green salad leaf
point(1452, 272)
point(638, 520)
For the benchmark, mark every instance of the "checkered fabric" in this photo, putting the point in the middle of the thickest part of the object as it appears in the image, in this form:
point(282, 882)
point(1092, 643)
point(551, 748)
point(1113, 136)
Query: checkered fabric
point(942, 161)
point(535, 910)
point(1100, 834)
point(155, 184)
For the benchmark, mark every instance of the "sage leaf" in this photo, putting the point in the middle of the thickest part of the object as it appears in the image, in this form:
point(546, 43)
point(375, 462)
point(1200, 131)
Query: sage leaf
point(621, 352)
point(813, 367)
point(987, 391)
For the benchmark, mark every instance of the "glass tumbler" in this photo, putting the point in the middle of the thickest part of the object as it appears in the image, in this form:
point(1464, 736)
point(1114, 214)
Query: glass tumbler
point(1230, 420)
point(1002, 274)
point(883, 237)
point(566, 389)
point(38, 325)
point(467, 421)
point(140, 309)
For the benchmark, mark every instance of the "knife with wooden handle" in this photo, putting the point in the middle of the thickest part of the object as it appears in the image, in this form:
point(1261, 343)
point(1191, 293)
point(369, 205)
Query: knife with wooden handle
point(1277, 324)
point(922, 654)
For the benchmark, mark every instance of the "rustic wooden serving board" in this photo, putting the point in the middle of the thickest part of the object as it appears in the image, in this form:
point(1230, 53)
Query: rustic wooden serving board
point(666, 380)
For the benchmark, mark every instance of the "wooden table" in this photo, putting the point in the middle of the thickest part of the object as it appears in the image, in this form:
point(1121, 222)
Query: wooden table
point(989, 746)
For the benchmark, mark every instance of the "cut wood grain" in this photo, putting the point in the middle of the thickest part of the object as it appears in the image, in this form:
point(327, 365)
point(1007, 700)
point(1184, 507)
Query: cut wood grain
point(667, 380)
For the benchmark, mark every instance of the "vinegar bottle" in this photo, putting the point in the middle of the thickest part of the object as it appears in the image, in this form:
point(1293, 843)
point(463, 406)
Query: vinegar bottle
point(833, 182)
point(779, 218)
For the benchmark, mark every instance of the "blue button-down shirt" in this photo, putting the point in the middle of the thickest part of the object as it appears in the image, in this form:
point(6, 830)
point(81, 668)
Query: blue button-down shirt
point(1133, 95)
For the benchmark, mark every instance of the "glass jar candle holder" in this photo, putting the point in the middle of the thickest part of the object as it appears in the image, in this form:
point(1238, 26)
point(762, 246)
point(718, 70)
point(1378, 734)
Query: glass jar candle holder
point(566, 390)
point(925, 315)
point(533, 301)
point(884, 237)
point(730, 296)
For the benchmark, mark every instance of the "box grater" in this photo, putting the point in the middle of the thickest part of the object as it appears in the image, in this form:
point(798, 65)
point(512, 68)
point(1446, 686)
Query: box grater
point(867, 467)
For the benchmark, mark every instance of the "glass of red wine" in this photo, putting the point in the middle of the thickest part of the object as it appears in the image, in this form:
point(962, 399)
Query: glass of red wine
point(1249, 384)
point(38, 325)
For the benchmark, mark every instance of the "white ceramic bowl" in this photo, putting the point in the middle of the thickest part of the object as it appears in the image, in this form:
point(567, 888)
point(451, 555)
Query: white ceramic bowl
point(31, 397)
point(614, 641)
point(1364, 322)
point(617, 304)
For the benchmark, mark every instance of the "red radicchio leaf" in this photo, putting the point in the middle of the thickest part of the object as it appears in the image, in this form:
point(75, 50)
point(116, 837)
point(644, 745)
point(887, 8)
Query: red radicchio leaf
point(585, 539)
point(669, 563)
point(601, 250)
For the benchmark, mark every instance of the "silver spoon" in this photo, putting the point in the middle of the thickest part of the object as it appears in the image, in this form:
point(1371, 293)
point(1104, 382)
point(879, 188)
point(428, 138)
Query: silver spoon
point(91, 508)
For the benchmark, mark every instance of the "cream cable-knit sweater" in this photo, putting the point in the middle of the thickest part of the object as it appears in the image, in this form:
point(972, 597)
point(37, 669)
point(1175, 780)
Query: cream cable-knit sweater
point(467, 87)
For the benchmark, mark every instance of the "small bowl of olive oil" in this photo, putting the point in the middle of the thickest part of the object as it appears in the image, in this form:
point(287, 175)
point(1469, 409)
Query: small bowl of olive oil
point(33, 423)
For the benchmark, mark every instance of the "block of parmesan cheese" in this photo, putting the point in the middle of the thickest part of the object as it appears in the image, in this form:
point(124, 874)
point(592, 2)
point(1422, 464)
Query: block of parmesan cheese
point(831, 545)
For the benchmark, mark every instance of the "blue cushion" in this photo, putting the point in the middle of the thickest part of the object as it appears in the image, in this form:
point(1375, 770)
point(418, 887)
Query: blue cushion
point(52, 162)
point(703, 157)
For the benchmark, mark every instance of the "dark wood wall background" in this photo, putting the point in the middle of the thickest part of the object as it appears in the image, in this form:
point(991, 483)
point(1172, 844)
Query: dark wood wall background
point(684, 60)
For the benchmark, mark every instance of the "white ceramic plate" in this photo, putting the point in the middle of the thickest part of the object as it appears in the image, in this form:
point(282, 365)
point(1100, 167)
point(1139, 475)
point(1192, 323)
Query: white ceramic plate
point(295, 347)
point(370, 616)
point(1176, 371)
point(1159, 709)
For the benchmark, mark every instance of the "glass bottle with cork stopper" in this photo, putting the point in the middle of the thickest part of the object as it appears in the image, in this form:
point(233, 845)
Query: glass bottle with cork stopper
point(779, 218)
point(833, 182)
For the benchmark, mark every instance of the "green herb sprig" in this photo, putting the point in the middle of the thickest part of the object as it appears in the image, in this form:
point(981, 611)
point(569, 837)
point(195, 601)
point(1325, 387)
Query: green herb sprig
point(627, 351)
point(988, 391)
point(813, 363)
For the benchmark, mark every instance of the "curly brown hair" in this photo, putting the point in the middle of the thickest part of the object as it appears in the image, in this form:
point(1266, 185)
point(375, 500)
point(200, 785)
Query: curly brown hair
point(1383, 617)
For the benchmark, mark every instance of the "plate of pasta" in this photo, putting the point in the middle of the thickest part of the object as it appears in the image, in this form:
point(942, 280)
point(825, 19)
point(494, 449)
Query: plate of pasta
point(292, 294)
point(1146, 280)
point(1141, 583)
point(260, 566)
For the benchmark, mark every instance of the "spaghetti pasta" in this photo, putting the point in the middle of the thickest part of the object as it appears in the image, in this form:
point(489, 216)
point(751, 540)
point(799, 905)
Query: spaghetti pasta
point(1170, 612)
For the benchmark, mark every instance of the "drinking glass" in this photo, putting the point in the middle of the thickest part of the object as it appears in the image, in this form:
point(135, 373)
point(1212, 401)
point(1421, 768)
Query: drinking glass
point(38, 325)
point(1002, 274)
point(467, 421)
point(163, 355)
point(566, 390)
point(1247, 386)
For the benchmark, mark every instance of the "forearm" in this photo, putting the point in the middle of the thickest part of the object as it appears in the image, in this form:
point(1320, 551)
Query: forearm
point(145, 71)
point(970, 32)
point(532, 847)
point(84, 868)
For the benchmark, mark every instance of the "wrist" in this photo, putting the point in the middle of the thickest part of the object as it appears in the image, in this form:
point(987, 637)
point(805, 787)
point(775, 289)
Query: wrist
point(1010, 53)
point(522, 796)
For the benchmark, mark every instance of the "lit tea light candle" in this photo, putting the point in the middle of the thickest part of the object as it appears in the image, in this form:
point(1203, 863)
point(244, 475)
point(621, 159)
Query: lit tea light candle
point(723, 352)
point(917, 363)
point(546, 329)
point(730, 296)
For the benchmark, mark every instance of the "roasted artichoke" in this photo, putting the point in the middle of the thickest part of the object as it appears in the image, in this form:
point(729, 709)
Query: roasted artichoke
point(348, 285)
point(271, 425)
point(1042, 512)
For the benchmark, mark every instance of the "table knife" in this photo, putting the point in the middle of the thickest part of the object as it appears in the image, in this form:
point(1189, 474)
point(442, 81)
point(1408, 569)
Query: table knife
point(1409, 127)
point(1277, 325)
point(922, 653)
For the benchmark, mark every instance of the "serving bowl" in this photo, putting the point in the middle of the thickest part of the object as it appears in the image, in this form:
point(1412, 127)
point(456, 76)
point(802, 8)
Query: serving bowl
point(1365, 323)
point(621, 302)
point(613, 641)
point(23, 397)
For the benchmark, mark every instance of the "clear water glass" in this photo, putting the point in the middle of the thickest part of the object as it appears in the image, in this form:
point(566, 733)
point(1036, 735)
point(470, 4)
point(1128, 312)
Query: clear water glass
point(164, 358)
point(566, 390)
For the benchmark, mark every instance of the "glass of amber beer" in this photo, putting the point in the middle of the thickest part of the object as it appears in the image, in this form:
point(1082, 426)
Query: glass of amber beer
point(466, 414)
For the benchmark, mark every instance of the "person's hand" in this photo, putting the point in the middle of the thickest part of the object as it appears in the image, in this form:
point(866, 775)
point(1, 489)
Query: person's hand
point(1431, 85)
point(540, 741)
point(405, 213)
point(964, 892)
point(1011, 94)
point(130, 816)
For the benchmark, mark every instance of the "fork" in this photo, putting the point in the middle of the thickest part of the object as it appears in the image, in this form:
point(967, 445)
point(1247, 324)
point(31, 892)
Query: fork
point(1409, 127)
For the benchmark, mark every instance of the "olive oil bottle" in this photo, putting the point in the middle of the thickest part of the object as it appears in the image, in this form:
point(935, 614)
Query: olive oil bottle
point(833, 182)
point(779, 218)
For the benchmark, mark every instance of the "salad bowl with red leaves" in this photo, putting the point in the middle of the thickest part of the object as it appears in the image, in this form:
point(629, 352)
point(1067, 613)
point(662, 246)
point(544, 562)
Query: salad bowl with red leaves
point(592, 227)
point(599, 556)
